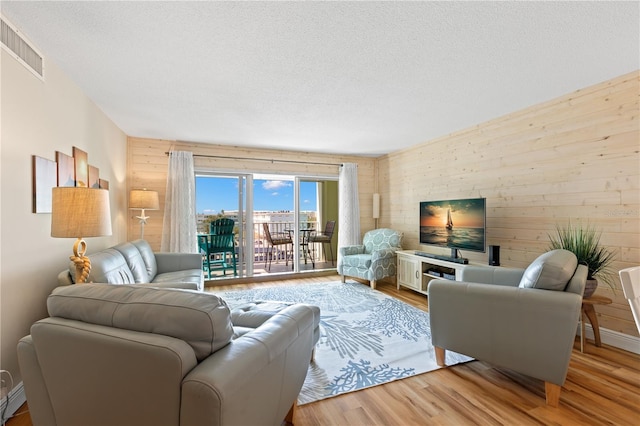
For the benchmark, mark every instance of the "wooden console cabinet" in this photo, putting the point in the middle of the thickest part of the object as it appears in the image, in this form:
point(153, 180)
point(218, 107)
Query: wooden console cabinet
point(415, 271)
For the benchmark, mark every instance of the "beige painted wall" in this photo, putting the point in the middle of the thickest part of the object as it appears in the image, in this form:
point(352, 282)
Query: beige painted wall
point(147, 168)
point(575, 157)
point(40, 118)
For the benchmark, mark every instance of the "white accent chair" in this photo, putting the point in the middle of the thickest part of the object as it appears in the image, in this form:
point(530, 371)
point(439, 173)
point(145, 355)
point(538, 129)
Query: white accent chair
point(630, 278)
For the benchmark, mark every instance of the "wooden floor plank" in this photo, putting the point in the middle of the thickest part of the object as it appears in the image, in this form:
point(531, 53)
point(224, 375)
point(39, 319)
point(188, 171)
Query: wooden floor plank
point(602, 387)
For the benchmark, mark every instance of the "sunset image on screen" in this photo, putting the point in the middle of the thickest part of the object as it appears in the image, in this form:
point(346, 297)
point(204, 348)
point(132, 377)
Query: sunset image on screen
point(464, 213)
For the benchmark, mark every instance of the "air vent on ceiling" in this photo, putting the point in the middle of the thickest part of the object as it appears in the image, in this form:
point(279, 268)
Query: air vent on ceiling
point(20, 48)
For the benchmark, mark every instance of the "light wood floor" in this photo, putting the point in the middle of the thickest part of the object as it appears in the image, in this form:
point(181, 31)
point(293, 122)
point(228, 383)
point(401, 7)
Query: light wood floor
point(602, 387)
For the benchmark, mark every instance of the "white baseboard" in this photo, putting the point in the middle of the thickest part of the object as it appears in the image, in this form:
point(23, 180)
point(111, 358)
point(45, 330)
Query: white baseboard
point(16, 399)
point(614, 338)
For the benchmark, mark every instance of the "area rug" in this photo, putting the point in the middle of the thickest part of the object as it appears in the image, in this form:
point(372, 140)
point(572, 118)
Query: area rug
point(366, 337)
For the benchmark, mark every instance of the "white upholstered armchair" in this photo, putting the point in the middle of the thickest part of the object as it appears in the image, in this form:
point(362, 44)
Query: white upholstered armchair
point(374, 259)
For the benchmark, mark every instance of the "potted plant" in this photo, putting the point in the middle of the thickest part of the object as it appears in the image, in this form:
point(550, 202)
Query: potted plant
point(584, 242)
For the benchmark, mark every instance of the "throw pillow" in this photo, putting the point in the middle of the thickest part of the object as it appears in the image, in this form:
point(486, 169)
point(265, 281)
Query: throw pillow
point(550, 271)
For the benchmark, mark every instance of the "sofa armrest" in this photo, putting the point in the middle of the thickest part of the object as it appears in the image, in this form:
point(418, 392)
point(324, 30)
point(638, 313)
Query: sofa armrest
point(120, 368)
point(351, 250)
point(492, 275)
point(264, 369)
point(64, 278)
point(528, 330)
point(170, 262)
point(41, 410)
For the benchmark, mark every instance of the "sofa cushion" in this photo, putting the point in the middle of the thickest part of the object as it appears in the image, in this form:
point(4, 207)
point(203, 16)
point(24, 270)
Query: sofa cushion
point(134, 261)
point(550, 271)
point(357, 261)
point(251, 315)
point(107, 266)
point(382, 238)
point(200, 319)
point(148, 256)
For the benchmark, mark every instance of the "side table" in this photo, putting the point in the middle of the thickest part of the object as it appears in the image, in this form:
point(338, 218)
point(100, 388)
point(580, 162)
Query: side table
point(589, 311)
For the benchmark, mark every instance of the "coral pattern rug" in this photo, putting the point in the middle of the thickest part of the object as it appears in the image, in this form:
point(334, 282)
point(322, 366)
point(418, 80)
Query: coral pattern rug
point(366, 337)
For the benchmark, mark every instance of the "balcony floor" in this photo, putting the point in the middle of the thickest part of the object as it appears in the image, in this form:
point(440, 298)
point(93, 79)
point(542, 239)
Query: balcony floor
point(277, 268)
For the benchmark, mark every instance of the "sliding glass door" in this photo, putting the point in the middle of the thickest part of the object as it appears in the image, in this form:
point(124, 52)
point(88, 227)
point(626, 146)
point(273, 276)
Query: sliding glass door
point(276, 217)
point(228, 196)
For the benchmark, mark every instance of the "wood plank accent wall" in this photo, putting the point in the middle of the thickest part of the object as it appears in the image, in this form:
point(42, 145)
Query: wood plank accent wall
point(147, 168)
point(575, 157)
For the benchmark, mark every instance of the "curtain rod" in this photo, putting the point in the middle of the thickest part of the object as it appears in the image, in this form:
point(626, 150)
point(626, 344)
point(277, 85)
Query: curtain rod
point(264, 159)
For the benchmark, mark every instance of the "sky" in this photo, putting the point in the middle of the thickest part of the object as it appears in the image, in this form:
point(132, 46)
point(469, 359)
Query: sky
point(467, 213)
point(214, 194)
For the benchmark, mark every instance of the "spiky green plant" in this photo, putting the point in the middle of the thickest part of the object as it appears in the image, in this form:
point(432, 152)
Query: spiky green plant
point(584, 242)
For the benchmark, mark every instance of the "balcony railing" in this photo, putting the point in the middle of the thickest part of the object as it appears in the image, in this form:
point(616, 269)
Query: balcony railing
point(261, 245)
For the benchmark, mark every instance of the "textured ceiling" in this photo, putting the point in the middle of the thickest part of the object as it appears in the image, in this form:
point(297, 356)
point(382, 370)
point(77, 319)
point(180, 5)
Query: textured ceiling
point(361, 78)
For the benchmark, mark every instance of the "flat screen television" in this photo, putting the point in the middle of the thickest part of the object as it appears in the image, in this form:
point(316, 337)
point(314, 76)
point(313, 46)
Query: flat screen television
point(454, 224)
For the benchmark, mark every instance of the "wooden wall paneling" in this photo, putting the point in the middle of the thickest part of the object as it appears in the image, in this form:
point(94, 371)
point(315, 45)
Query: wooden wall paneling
point(575, 157)
point(147, 168)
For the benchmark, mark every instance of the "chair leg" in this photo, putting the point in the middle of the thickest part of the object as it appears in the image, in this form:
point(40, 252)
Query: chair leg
point(343, 279)
point(552, 393)
point(268, 257)
point(440, 356)
point(292, 411)
point(235, 268)
point(373, 284)
point(331, 251)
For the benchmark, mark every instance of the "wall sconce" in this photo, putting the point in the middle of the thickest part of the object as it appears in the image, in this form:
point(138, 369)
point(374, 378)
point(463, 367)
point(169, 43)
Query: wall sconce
point(78, 212)
point(141, 199)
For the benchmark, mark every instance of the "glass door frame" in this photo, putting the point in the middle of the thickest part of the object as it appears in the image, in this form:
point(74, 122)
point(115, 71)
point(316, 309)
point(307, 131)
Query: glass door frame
point(298, 178)
point(245, 217)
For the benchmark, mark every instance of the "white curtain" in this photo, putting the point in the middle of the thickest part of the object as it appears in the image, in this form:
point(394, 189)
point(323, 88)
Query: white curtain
point(179, 232)
point(349, 206)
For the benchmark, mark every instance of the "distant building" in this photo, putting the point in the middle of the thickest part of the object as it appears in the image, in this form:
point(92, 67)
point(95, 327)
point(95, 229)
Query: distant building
point(284, 218)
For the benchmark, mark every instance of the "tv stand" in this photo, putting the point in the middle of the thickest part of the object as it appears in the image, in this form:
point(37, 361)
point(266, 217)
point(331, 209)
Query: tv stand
point(416, 269)
point(456, 259)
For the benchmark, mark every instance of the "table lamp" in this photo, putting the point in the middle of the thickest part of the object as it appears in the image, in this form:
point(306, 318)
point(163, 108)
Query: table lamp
point(76, 213)
point(143, 200)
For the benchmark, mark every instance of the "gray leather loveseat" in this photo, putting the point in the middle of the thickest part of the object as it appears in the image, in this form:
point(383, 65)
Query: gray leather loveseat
point(135, 263)
point(130, 355)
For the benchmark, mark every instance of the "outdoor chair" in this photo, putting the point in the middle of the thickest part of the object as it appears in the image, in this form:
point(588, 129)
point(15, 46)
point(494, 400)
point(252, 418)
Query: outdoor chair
point(324, 238)
point(274, 240)
point(219, 246)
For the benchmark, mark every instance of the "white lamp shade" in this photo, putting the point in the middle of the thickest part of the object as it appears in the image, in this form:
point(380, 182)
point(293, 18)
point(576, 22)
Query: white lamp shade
point(143, 199)
point(79, 212)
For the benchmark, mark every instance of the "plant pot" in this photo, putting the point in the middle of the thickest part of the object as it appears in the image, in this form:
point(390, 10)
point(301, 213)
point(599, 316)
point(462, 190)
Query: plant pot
point(590, 288)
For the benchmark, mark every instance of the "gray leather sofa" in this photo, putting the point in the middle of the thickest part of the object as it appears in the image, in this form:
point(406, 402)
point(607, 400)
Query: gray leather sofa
point(135, 263)
point(129, 355)
point(524, 320)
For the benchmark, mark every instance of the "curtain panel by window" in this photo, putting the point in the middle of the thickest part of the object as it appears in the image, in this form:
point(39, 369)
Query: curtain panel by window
point(349, 206)
point(179, 233)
